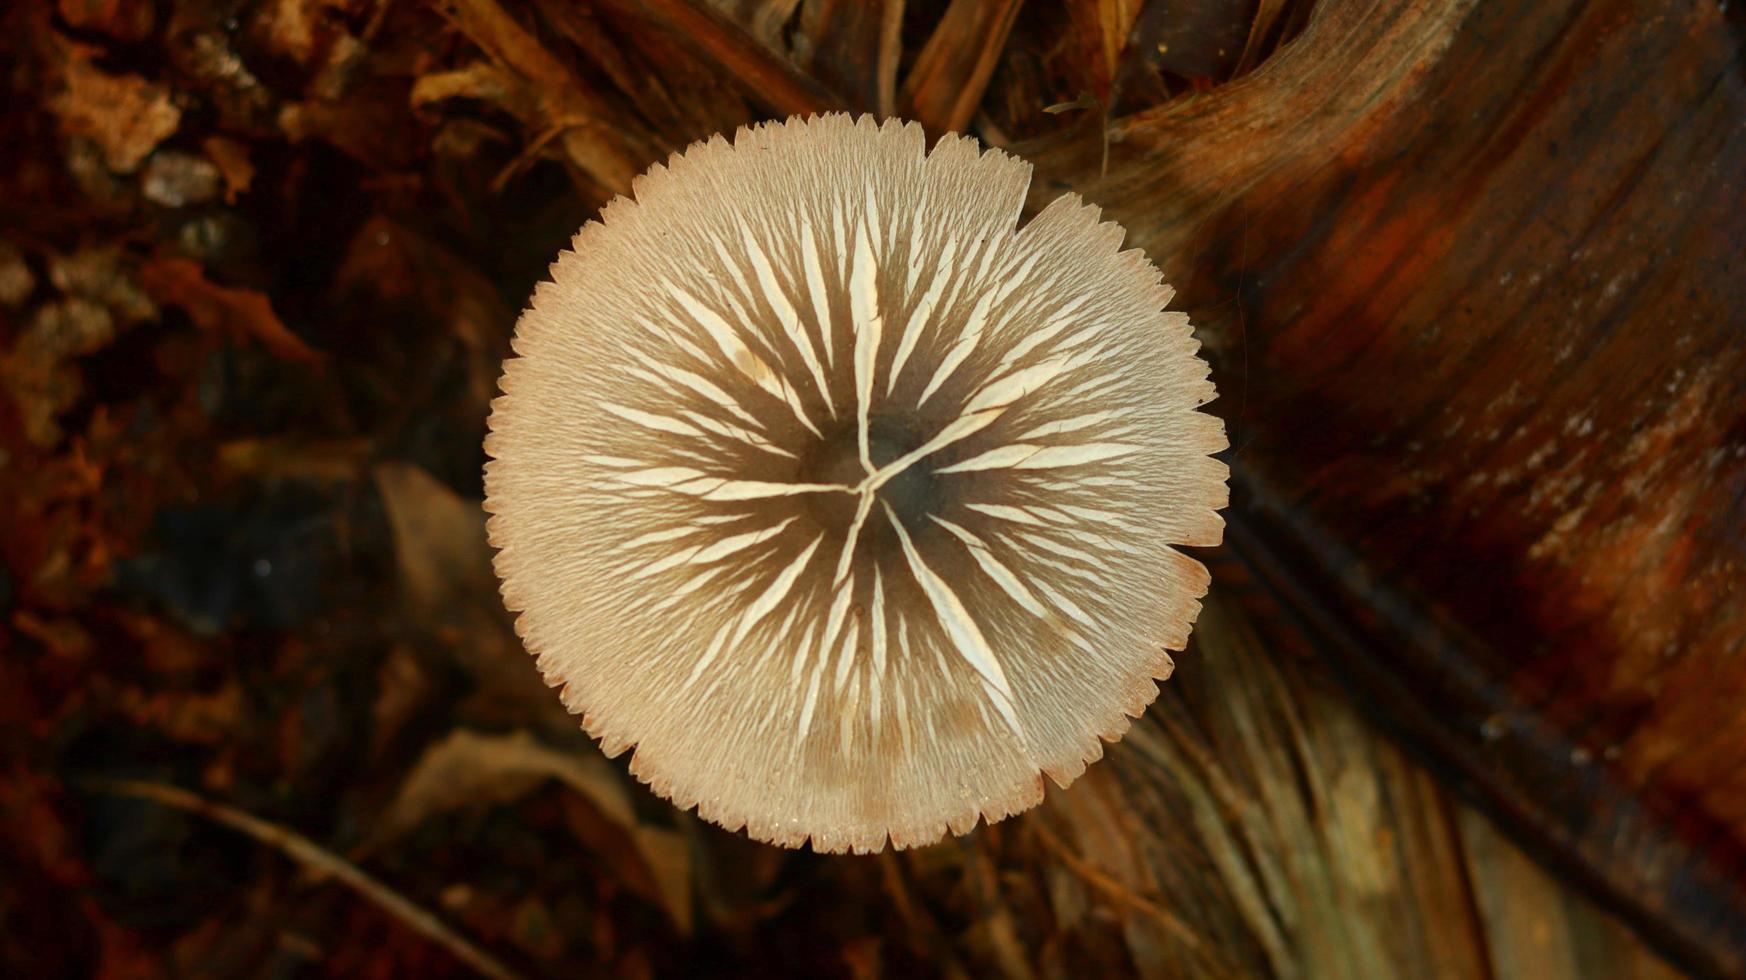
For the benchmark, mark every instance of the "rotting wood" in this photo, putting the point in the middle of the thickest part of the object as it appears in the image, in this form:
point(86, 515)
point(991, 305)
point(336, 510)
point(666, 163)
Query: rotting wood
point(946, 83)
point(1478, 345)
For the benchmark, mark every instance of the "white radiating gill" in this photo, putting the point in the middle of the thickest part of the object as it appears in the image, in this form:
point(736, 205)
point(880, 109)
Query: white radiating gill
point(780, 589)
point(705, 554)
point(917, 229)
point(800, 654)
point(845, 662)
point(874, 225)
point(739, 354)
point(815, 287)
point(719, 435)
point(678, 594)
point(959, 628)
point(968, 338)
point(1016, 589)
point(869, 325)
point(839, 611)
point(1086, 574)
point(787, 316)
point(852, 537)
point(839, 231)
point(735, 543)
point(716, 644)
point(661, 537)
point(651, 420)
point(1073, 423)
point(965, 282)
point(783, 631)
point(733, 435)
point(828, 662)
point(1045, 537)
point(809, 703)
point(1002, 576)
point(919, 316)
point(983, 409)
point(879, 637)
point(1038, 456)
point(1005, 512)
point(696, 483)
point(1059, 321)
point(664, 375)
point(826, 646)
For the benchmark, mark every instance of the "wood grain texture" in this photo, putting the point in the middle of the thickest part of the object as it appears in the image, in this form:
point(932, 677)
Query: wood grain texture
point(853, 47)
point(1254, 824)
point(1470, 273)
point(950, 75)
point(767, 78)
point(1476, 312)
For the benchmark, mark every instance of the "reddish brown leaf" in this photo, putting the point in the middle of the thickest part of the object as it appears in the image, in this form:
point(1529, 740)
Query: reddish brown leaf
point(125, 115)
point(238, 313)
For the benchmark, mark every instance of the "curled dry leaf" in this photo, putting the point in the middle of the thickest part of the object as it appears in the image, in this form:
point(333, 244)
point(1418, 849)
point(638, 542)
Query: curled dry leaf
point(439, 540)
point(103, 274)
point(179, 282)
point(36, 372)
point(234, 166)
point(472, 769)
point(444, 568)
point(16, 279)
point(124, 20)
point(845, 501)
point(126, 116)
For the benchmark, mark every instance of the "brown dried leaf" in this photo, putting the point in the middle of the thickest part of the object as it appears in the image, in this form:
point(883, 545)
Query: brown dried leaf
point(597, 138)
point(469, 769)
point(175, 179)
point(480, 80)
point(1200, 39)
point(16, 279)
point(67, 328)
point(296, 29)
point(472, 769)
point(370, 124)
point(35, 372)
point(126, 116)
point(766, 78)
point(275, 458)
point(234, 166)
point(196, 717)
point(439, 539)
point(179, 282)
point(105, 275)
point(1115, 19)
point(763, 19)
point(388, 264)
point(450, 594)
point(123, 20)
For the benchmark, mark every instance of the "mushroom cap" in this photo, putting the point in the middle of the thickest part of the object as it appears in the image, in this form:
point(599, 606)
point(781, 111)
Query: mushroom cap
point(846, 502)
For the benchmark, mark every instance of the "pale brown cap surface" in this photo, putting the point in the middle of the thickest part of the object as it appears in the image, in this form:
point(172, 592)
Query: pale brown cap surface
point(844, 501)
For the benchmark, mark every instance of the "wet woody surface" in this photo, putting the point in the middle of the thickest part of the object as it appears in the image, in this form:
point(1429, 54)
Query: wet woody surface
point(1469, 273)
point(1477, 317)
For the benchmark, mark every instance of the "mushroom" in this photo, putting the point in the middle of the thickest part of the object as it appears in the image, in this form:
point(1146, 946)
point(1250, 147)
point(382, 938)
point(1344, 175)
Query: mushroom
point(845, 501)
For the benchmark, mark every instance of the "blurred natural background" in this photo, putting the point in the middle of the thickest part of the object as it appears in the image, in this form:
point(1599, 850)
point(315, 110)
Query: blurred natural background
point(1468, 698)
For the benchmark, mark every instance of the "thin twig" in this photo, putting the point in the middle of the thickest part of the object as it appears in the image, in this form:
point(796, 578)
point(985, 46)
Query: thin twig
point(770, 81)
point(1088, 101)
point(1101, 881)
point(616, 148)
point(889, 54)
point(312, 855)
